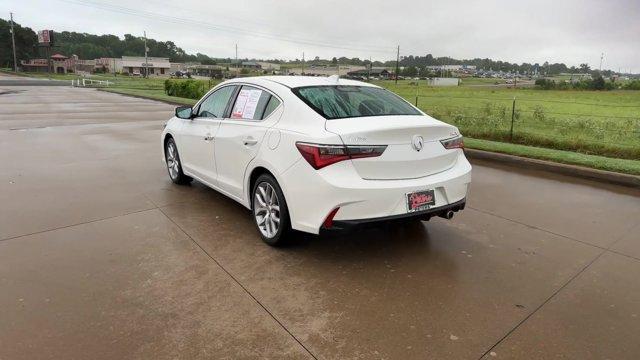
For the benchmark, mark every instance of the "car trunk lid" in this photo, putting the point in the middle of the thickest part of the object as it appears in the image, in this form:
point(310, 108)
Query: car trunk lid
point(413, 145)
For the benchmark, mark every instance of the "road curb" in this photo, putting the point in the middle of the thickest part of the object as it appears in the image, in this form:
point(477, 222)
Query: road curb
point(609, 177)
point(143, 97)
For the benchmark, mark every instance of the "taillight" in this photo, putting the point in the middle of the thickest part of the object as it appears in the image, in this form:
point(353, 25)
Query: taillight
point(453, 143)
point(319, 156)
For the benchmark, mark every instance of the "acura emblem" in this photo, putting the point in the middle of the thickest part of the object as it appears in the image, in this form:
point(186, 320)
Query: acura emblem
point(417, 142)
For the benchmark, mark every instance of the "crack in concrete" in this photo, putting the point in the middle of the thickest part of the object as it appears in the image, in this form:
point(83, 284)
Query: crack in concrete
point(555, 293)
point(241, 286)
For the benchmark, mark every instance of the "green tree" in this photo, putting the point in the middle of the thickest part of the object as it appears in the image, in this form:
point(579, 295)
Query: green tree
point(26, 41)
point(410, 71)
point(585, 68)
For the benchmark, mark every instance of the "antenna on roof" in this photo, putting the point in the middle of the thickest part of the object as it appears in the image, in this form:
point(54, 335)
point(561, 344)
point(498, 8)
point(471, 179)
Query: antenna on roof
point(334, 78)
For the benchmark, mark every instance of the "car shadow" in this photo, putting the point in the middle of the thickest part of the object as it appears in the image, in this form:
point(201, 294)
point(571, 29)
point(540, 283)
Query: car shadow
point(222, 223)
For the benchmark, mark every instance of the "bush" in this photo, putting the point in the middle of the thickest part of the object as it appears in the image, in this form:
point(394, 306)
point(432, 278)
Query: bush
point(190, 89)
point(545, 84)
point(632, 85)
point(597, 83)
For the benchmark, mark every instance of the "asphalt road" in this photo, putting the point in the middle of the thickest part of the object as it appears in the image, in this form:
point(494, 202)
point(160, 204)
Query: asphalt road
point(102, 257)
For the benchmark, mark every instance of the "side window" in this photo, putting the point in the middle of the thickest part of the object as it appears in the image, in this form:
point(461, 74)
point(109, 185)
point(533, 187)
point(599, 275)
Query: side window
point(250, 103)
point(216, 103)
point(271, 105)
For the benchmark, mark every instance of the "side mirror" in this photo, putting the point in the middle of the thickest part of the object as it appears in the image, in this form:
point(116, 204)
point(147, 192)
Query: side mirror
point(184, 112)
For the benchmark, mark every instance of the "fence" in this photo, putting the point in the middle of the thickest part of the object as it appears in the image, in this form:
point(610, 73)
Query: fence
point(90, 82)
point(598, 129)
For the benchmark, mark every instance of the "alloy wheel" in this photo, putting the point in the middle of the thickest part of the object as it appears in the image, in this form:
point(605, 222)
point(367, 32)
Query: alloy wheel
point(266, 209)
point(173, 162)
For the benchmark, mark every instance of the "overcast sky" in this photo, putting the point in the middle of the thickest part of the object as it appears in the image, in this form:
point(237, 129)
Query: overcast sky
point(570, 31)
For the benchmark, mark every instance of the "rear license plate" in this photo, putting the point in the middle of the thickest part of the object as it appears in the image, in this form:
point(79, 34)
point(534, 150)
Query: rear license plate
point(420, 200)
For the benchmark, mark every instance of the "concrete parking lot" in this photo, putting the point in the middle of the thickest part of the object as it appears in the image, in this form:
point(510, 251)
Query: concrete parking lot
point(102, 257)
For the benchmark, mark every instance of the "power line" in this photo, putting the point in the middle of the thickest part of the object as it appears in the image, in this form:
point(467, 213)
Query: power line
point(201, 24)
point(262, 24)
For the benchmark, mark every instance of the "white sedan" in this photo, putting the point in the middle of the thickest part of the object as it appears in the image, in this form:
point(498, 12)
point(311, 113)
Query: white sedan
point(315, 154)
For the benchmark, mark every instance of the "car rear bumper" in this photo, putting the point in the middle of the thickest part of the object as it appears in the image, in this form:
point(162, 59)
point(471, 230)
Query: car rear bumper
point(312, 195)
point(349, 225)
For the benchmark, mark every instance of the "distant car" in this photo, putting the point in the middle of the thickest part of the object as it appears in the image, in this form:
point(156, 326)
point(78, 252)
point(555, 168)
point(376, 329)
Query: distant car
point(317, 153)
point(181, 74)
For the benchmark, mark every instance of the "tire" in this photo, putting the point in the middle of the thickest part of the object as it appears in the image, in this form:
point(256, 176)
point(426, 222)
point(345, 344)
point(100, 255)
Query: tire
point(269, 209)
point(174, 166)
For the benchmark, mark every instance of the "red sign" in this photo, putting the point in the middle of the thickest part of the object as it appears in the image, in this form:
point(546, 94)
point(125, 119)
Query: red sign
point(44, 37)
point(420, 200)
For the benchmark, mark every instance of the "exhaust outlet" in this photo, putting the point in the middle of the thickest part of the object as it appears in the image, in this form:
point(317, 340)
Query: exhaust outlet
point(447, 215)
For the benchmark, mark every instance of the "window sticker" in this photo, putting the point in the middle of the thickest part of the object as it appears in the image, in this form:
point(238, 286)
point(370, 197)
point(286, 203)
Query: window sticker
point(246, 104)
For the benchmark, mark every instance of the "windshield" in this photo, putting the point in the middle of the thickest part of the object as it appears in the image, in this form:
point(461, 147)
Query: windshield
point(337, 102)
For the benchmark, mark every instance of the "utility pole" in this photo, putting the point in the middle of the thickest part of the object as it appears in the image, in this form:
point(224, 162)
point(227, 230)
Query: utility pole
point(513, 118)
point(146, 59)
point(369, 70)
point(601, 57)
point(302, 63)
point(397, 64)
point(13, 42)
point(49, 64)
point(236, 55)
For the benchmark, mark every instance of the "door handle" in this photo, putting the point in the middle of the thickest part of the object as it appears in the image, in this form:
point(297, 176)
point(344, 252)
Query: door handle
point(250, 141)
point(208, 137)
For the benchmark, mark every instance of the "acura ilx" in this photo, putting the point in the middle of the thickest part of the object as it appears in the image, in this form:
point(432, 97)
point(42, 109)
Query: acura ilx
point(314, 154)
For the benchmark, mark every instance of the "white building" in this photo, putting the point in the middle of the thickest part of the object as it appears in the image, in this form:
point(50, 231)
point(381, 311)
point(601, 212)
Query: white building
point(135, 65)
point(322, 70)
point(109, 65)
point(452, 67)
point(443, 81)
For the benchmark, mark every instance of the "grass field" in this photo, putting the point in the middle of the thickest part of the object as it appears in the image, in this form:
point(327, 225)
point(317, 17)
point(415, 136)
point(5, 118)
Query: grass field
point(605, 123)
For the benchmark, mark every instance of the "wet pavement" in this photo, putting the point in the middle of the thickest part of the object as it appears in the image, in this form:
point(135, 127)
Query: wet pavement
point(102, 257)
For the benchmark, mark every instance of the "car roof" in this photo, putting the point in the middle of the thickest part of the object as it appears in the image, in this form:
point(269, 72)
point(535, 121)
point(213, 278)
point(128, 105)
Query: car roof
point(300, 81)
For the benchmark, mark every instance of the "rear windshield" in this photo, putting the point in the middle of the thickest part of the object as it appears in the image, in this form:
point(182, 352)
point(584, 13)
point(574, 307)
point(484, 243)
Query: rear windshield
point(337, 102)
